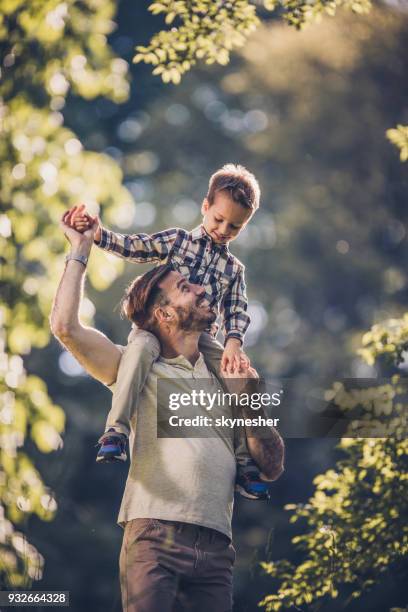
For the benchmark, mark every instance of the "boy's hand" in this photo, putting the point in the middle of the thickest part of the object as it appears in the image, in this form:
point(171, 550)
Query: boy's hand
point(233, 357)
point(83, 221)
point(81, 242)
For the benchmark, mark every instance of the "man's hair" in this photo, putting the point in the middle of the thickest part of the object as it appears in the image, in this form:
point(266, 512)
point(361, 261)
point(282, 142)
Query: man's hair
point(143, 294)
point(239, 182)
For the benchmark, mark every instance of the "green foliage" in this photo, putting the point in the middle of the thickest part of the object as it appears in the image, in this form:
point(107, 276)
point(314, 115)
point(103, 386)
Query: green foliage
point(355, 526)
point(356, 519)
point(389, 338)
point(208, 30)
point(399, 137)
point(378, 410)
point(49, 48)
point(300, 13)
point(19, 560)
point(25, 409)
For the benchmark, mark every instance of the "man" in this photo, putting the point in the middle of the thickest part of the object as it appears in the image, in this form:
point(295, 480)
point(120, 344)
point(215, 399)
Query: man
point(177, 505)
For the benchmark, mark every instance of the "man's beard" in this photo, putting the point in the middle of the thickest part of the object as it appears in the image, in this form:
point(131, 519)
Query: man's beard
point(191, 319)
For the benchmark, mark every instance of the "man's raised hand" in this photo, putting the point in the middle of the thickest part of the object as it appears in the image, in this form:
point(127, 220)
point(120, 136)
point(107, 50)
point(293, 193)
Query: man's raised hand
point(82, 221)
point(76, 238)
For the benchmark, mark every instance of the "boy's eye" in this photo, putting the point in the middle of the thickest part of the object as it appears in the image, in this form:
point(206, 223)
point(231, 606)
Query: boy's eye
point(184, 288)
point(217, 220)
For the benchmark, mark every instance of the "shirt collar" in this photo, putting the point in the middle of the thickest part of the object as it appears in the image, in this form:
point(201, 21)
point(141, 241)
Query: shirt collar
point(199, 232)
point(182, 361)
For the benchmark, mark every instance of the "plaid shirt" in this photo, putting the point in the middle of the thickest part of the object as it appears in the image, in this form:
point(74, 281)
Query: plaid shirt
point(197, 258)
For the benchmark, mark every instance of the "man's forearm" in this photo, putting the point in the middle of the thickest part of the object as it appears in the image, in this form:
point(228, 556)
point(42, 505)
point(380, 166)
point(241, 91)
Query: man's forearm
point(95, 352)
point(65, 309)
point(265, 444)
point(266, 448)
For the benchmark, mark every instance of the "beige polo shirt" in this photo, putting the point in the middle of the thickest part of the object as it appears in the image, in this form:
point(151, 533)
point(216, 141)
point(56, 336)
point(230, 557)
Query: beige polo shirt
point(178, 479)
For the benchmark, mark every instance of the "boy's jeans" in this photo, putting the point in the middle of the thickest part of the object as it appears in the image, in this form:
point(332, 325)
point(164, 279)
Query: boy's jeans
point(141, 352)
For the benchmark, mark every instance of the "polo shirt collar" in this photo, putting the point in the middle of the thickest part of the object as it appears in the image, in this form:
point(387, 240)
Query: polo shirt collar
point(182, 361)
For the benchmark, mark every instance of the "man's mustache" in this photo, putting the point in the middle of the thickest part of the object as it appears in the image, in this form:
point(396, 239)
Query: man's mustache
point(200, 300)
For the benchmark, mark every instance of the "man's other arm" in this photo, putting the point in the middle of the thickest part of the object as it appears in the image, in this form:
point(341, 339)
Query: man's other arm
point(265, 445)
point(266, 448)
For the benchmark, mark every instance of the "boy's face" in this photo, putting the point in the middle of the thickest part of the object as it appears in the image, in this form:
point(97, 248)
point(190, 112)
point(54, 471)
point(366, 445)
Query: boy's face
point(224, 219)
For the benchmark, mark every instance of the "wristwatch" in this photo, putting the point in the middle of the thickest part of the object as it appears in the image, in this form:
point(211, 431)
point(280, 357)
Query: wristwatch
point(81, 258)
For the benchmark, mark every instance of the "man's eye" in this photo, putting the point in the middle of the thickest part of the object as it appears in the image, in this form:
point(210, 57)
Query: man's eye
point(184, 288)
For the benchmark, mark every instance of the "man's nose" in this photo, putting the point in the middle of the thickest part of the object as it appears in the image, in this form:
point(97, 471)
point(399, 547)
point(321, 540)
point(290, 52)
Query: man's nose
point(199, 291)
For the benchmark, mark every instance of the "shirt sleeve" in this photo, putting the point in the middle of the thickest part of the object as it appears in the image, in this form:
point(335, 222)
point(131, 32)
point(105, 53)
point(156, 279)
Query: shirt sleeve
point(140, 248)
point(112, 385)
point(234, 309)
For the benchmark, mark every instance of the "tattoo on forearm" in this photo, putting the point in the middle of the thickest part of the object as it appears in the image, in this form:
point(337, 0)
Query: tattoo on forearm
point(268, 452)
point(264, 443)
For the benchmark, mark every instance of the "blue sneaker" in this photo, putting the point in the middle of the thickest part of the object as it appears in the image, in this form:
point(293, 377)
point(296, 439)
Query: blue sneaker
point(113, 447)
point(249, 483)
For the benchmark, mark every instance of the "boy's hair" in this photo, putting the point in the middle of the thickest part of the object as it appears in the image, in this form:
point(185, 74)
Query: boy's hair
point(239, 182)
point(142, 294)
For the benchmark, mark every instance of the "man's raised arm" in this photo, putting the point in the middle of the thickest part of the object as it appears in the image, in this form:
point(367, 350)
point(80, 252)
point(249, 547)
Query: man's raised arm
point(95, 352)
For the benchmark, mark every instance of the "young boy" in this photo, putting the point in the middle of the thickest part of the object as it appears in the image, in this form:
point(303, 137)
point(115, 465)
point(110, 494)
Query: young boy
point(202, 256)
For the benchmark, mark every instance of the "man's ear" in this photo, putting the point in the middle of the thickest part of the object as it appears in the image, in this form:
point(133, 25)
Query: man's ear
point(164, 314)
point(205, 206)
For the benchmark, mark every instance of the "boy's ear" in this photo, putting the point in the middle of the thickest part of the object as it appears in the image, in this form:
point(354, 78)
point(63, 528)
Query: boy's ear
point(205, 206)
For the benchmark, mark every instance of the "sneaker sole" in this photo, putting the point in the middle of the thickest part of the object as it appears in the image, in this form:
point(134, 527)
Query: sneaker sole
point(111, 458)
point(241, 491)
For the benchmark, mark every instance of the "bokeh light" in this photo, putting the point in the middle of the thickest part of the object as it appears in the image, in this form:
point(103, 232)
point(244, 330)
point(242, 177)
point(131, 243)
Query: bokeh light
point(185, 211)
point(177, 114)
point(145, 214)
point(69, 365)
point(259, 319)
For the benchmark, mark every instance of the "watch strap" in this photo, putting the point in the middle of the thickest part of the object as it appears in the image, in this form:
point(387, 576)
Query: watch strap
point(81, 258)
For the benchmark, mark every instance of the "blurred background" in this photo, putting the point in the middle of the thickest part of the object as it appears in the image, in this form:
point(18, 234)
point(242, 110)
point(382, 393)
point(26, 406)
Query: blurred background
point(305, 111)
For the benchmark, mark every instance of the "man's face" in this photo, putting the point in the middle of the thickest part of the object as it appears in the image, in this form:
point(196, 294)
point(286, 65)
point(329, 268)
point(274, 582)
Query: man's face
point(224, 219)
point(188, 308)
